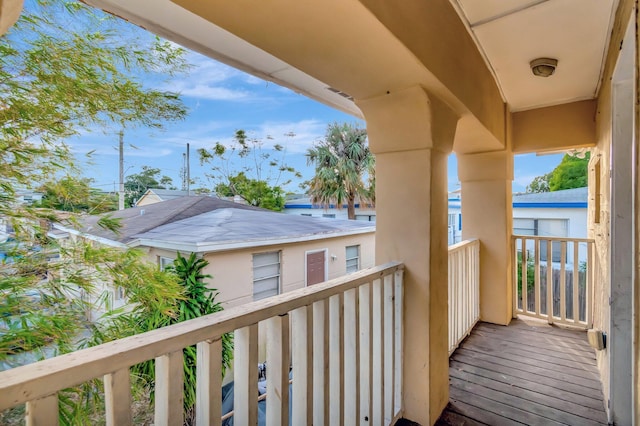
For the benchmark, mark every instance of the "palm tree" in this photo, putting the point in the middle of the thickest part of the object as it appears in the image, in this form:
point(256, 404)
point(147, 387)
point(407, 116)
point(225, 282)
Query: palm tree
point(342, 162)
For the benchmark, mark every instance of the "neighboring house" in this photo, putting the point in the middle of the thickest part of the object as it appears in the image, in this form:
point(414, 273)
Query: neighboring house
point(302, 206)
point(454, 218)
point(26, 196)
point(154, 195)
point(554, 214)
point(253, 253)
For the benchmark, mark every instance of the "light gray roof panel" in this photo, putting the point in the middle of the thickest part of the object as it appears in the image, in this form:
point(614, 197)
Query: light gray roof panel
point(230, 225)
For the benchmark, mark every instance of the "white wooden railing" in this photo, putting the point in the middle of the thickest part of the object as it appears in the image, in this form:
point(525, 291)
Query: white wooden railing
point(346, 360)
point(464, 290)
point(558, 283)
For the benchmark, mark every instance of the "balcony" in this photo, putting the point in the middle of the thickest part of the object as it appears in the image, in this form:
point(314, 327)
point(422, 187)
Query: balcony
point(339, 345)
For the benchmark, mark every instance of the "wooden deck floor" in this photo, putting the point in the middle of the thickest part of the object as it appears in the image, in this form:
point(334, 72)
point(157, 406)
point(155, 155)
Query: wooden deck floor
point(524, 374)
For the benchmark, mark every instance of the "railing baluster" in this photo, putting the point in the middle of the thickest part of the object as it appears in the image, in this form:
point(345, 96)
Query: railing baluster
point(524, 277)
point(377, 340)
point(576, 283)
point(117, 398)
point(561, 307)
point(351, 356)
point(169, 396)
point(450, 281)
point(589, 291)
point(388, 348)
point(302, 352)
point(320, 363)
point(278, 375)
point(43, 411)
point(465, 291)
point(536, 283)
point(336, 364)
point(209, 382)
point(398, 335)
point(563, 281)
point(365, 330)
point(112, 361)
point(245, 372)
point(550, 292)
point(476, 279)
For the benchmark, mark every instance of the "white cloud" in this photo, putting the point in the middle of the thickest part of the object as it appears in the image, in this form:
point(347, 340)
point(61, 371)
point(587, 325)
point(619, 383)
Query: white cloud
point(306, 133)
point(212, 80)
point(204, 91)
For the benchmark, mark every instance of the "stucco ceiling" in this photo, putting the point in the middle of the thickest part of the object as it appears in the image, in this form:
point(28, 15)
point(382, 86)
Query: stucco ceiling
point(511, 33)
point(508, 34)
point(174, 23)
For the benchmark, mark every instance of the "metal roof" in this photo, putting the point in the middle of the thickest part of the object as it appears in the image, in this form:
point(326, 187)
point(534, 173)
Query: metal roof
point(575, 195)
point(137, 220)
point(229, 228)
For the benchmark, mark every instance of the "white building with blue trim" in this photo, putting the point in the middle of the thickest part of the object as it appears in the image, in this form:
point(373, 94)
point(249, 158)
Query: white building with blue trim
point(553, 214)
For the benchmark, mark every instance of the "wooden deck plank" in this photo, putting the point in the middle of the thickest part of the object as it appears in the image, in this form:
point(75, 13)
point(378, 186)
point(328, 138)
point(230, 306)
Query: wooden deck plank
point(451, 418)
point(496, 407)
point(541, 346)
point(573, 375)
point(549, 397)
point(478, 414)
point(556, 359)
point(524, 374)
point(525, 337)
point(515, 399)
point(522, 336)
point(544, 374)
point(545, 389)
point(543, 328)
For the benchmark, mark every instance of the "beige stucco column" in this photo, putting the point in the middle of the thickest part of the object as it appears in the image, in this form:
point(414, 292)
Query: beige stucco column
point(487, 215)
point(411, 133)
point(9, 13)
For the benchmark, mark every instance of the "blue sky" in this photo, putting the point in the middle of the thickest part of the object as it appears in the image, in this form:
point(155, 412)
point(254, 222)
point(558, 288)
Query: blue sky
point(222, 100)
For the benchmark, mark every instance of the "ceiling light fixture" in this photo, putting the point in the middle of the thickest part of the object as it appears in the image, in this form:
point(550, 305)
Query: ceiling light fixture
point(543, 67)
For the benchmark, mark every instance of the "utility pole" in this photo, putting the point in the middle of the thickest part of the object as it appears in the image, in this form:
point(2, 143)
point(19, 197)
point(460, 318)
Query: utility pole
point(188, 173)
point(121, 188)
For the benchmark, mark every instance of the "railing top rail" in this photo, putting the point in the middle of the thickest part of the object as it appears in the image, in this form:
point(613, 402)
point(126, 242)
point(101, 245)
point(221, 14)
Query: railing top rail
point(546, 238)
point(46, 377)
point(463, 244)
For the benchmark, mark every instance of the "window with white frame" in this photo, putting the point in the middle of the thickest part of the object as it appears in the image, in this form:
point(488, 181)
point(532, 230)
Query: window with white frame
point(163, 262)
point(119, 293)
point(544, 228)
point(352, 258)
point(266, 275)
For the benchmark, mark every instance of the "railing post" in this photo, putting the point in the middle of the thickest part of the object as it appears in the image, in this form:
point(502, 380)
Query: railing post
point(377, 340)
point(209, 383)
point(388, 348)
point(549, 283)
point(117, 398)
point(302, 360)
point(321, 362)
point(365, 331)
point(399, 336)
point(43, 411)
point(278, 375)
point(169, 397)
point(245, 392)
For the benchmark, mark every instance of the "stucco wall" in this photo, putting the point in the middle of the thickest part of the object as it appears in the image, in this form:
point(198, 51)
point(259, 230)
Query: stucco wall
point(601, 155)
point(577, 218)
point(232, 271)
